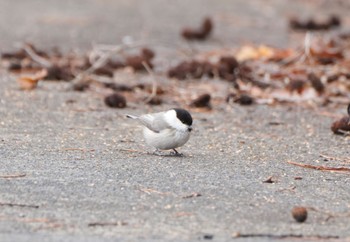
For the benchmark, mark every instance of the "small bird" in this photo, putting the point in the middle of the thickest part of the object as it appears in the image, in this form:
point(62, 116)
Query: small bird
point(166, 130)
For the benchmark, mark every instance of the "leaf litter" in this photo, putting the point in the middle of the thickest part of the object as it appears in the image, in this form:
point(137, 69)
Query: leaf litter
point(317, 73)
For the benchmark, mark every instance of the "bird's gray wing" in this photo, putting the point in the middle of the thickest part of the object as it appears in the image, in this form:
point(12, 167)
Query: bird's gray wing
point(155, 122)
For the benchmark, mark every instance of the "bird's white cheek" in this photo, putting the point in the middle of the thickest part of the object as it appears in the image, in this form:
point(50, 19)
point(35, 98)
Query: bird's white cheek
point(182, 126)
point(184, 129)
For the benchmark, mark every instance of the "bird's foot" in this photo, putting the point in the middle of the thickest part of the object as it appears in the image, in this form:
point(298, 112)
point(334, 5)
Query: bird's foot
point(175, 153)
point(158, 152)
point(172, 153)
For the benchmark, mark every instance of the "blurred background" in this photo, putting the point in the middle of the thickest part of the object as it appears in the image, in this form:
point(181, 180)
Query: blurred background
point(78, 24)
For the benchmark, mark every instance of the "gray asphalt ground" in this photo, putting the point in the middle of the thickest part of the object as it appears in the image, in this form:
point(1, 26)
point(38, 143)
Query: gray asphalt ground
point(83, 164)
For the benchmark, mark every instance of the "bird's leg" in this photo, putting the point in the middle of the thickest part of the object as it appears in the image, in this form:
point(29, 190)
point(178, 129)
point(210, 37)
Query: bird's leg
point(172, 153)
point(175, 153)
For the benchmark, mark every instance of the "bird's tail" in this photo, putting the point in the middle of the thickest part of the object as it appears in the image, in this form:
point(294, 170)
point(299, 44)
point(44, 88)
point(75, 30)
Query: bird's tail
point(131, 116)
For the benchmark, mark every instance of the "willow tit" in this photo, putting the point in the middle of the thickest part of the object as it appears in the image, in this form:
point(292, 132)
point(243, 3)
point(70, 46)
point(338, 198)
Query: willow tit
point(166, 130)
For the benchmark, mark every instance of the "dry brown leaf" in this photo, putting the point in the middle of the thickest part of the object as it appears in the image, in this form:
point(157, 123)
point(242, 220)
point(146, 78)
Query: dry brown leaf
point(248, 52)
point(31, 82)
point(27, 83)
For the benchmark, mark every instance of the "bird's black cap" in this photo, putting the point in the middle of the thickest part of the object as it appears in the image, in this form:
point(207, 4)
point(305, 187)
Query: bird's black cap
point(184, 116)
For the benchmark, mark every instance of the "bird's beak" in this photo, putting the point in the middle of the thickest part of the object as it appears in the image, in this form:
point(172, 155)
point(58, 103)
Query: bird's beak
point(189, 129)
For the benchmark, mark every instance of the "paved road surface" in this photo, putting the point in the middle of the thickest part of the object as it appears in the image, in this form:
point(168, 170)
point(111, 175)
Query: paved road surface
point(84, 164)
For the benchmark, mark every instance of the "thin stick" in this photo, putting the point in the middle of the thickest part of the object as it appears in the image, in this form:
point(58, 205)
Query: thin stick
point(284, 236)
point(307, 47)
point(343, 132)
point(195, 194)
point(289, 60)
point(182, 214)
point(304, 54)
point(321, 168)
point(150, 190)
point(19, 205)
point(35, 57)
point(154, 82)
point(33, 220)
point(80, 149)
point(307, 44)
point(102, 61)
point(118, 223)
point(13, 176)
point(131, 150)
point(291, 189)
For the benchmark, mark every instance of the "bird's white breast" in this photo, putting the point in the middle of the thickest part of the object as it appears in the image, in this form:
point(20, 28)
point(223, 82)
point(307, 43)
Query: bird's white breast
point(166, 139)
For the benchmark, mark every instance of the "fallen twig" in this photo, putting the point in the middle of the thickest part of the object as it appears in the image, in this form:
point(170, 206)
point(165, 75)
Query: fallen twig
point(291, 189)
point(102, 60)
point(150, 190)
point(13, 176)
point(131, 150)
point(45, 221)
point(183, 214)
point(307, 47)
point(292, 59)
point(195, 194)
point(19, 205)
point(80, 149)
point(283, 236)
point(302, 54)
point(343, 132)
point(35, 57)
point(118, 223)
point(307, 44)
point(321, 168)
point(154, 82)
